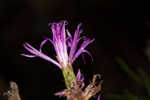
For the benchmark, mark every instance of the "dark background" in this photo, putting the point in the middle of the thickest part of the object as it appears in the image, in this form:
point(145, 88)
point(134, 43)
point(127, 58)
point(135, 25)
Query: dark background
point(119, 27)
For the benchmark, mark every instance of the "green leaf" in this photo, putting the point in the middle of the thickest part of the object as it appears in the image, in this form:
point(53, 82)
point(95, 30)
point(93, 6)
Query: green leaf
point(146, 80)
point(130, 96)
point(129, 71)
point(115, 97)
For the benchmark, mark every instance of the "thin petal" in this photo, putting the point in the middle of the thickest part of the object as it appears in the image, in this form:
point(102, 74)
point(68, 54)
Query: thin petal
point(69, 43)
point(69, 39)
point(85, 51)
point(30, 56)
point(82, 49)
point(63, 31)
point(43, 42)
point(79, 76)
point(86, 42)
point(30, 48)
point(68, 33)
point(40, 54)
point(80, 52)
point(49, 59)
point(75, 42)
point(79, 25)
point(98, 98)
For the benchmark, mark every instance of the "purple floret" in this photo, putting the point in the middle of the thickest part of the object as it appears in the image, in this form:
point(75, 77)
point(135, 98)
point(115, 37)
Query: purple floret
point(65, 45)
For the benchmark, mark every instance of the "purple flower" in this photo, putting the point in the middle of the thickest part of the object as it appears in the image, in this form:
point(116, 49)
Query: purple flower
point(62, 41)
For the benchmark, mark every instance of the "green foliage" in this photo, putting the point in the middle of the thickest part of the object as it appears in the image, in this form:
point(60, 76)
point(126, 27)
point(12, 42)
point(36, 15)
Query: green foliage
point(130, 96)
point(129, 71)
point(141, 78)
point(146, 81)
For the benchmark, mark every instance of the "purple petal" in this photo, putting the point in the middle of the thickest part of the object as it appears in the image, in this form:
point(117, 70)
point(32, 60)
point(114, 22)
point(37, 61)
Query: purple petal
point(54, 32)
point(68, 33)
point(49, 59)
point(30, 48)
point(86, 42)
point(98, 98)
point(79, 25)
point(69, 39)
point(85, 51)
point(82, 49)
point(75, 42)
point(79, 76)
point(62, 31)
point(30, 56)
point(69, 43)
point(80, 52)
point(43, 42)
point(39, 54)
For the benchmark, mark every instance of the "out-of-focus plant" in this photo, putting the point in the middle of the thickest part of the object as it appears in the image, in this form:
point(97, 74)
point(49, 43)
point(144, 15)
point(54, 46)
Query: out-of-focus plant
point(141, 78)
point(13, 92)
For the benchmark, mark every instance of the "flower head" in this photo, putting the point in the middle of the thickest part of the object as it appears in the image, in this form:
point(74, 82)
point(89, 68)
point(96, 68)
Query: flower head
point(64, 43)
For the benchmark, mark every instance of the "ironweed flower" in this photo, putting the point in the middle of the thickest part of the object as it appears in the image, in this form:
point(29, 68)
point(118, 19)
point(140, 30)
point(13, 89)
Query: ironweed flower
point(67, 50)
point(62, 41)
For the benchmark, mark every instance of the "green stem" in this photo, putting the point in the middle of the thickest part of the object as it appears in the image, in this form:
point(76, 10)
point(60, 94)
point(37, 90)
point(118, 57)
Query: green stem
point(69, 76)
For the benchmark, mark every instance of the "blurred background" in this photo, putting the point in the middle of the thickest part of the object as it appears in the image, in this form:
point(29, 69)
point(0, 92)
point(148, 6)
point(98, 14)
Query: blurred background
point(119, 28)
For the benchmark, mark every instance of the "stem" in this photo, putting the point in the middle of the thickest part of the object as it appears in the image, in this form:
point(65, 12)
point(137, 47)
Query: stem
point(69, 76)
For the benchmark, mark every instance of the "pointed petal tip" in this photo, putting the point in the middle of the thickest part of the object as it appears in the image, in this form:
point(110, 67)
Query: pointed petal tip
point(89, 54)
point(42, 43)
point(93, 40)
point(81, 52)
point(26, 43)
point(79, 25)
point(79, 76)
point(30, 56)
